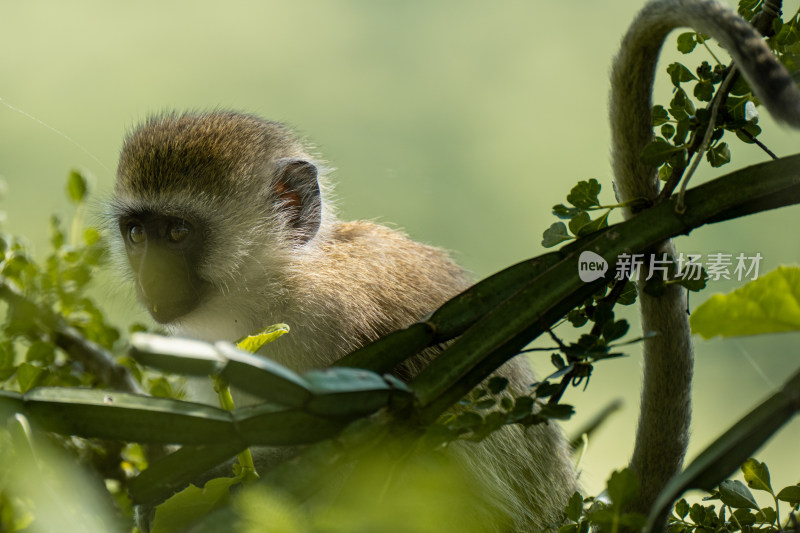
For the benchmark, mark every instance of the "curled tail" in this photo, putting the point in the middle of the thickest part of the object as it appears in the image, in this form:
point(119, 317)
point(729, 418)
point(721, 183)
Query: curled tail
point(662, 434)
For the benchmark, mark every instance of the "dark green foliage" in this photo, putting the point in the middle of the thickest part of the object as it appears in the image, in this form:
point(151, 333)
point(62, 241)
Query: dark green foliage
point(583, 198)
point(54, 334)
point(738, 510)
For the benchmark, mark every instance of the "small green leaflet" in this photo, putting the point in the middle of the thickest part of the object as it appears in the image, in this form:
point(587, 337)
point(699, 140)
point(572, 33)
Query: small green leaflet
point(253, 343)
point(686, 42)
point(555, 234)
point(584, 194)
point(76, 187)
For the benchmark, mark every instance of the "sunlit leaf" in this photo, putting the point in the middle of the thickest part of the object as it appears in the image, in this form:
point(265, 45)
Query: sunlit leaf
point(770, 304)
point(252, 343)
point(756, 475)
point(76, 187)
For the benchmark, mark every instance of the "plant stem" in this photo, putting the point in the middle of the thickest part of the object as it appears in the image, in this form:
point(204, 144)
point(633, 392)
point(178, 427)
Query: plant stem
point(223, 391)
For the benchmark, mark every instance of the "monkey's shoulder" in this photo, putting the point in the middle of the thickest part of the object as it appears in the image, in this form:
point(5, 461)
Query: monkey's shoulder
point(381, 248)
point(367, 272)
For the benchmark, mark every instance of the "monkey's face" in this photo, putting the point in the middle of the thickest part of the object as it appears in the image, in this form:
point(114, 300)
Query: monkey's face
point(164, 253)
point(212, 208)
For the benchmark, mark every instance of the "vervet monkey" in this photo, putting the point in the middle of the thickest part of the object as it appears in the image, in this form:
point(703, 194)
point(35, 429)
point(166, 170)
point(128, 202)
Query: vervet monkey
point(665, 413)
point(228, 227)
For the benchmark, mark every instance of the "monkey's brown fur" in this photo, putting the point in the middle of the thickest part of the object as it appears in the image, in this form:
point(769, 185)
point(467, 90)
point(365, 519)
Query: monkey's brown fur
point(351, 283)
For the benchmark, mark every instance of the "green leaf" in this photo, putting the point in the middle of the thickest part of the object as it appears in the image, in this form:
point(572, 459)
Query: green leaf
point(790, 494)
point(569, 528)
point(750, 128)
point(719, 155)
point(679, 74)
point(615, 330)
point(658, 151)
point(555, 234)
point(659, 115)
point(574, 507)
point(252, 343)
point(562, 211)
point(184, 508)
point(767, 515)
point(160, 387)
point(28, 376)
point(523, 406)
point(770, 304)
point(667, 131)
point(56, 234)
point(628, 295)
point(41, 352)
point(497, 384)
point(681, 107)
point(744, 516)
point(686, 42)
point(681, 131)
point(623, 487)
point(7, 360)
point(584, 194)
point(485, 404)
point(466, 420)
point(704, 91)
point(682, 508)
point(603, 314)
point(578, 222)
point(560, 411)
point(693, 281)
point(594, 225)
point(76, 187)
point(558, 361)
point(91, 236)
point(757, 475)
point(577, 318)
point(735, 494)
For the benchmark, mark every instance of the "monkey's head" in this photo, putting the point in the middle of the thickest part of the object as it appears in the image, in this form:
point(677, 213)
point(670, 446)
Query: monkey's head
point(209, 202)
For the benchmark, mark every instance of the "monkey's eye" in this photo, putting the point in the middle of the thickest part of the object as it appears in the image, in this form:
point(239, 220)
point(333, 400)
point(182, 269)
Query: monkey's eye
point(136, 234)
point(178, 232)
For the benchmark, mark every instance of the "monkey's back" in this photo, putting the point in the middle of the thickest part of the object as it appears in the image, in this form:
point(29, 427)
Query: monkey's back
point(368, 280)
point(362, 281)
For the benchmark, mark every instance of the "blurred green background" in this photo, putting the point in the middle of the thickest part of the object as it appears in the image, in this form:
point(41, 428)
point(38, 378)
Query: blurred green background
point(461, 122)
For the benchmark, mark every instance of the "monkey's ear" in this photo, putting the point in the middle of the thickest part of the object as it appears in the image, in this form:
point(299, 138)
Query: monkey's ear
point(296, 185)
